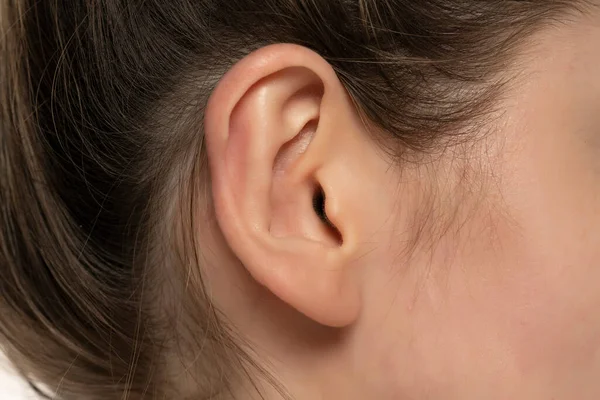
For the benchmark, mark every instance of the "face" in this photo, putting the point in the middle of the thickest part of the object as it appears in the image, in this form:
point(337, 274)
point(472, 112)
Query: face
point(499, 297)
point(470, 275)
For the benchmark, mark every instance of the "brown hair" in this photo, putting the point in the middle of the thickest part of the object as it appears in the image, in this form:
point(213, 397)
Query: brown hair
point(100, 104)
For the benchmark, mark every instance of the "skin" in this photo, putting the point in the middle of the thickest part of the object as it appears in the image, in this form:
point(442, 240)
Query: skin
point(495, 295)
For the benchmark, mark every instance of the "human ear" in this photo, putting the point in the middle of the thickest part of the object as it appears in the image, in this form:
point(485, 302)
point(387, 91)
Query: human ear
point(283, 140)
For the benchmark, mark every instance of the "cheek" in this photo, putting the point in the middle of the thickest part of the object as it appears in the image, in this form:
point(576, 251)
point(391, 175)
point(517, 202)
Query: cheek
point(552, 293)
point(553, 196)
point(513, 306)
point(515, 313)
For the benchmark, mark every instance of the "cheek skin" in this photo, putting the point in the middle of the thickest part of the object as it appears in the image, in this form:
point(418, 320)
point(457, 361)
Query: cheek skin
point(441, 317)
point(553, 198)
point(553, 190)
point(512, 312)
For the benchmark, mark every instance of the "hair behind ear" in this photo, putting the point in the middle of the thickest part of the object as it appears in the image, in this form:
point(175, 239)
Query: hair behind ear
point(67, 312)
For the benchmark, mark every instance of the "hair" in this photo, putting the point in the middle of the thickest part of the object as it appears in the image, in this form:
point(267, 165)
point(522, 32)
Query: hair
point(101, 153)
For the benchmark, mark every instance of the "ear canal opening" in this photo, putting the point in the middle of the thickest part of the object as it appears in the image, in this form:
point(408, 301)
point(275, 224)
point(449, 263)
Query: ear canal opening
point(318, 202)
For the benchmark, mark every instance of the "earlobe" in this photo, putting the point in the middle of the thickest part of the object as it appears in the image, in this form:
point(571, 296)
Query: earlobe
point(270, 134)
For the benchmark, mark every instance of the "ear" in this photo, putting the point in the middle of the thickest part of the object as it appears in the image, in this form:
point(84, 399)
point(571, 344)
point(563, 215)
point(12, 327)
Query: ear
point(283, 139)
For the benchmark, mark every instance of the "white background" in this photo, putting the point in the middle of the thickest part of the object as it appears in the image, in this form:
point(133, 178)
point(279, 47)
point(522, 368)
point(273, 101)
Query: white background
point(11, 386)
